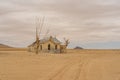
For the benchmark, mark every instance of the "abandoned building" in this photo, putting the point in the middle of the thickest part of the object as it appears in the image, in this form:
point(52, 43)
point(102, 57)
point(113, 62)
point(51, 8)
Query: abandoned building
point(49, 44)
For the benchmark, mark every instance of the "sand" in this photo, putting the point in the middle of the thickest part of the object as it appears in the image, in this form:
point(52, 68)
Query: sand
point(75, 65)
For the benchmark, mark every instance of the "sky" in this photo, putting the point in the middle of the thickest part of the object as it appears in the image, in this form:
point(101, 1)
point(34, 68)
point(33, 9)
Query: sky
point(91, 24)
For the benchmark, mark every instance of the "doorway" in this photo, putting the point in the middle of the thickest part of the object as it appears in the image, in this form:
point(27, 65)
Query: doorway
point(55, 47)
point(48, 46)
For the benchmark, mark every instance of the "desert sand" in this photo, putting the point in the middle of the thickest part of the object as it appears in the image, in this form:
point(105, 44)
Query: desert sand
point(74, 65)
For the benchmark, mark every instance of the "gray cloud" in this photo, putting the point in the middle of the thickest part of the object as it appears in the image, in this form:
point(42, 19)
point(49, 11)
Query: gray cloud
point(80, 20)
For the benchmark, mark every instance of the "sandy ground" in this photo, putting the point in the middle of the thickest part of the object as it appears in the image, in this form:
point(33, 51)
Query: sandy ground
point(75, 65)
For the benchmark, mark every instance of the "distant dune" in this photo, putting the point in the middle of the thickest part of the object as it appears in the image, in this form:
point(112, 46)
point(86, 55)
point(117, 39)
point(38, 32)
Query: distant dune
point(4, 46)
point(77, 47)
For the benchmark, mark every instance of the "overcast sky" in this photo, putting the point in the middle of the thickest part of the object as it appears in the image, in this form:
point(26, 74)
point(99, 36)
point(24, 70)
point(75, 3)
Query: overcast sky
point(87, 23)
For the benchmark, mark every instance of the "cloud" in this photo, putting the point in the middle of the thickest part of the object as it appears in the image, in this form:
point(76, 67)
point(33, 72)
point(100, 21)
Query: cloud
point(95, 21)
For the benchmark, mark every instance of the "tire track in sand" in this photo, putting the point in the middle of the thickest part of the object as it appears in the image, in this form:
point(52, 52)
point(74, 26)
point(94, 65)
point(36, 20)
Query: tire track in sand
point(64, 72)
point(79, 71)
point(61, 71)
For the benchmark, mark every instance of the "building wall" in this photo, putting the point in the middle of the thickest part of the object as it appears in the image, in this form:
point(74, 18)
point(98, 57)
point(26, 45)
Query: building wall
point(52, 46)
point(44, 47)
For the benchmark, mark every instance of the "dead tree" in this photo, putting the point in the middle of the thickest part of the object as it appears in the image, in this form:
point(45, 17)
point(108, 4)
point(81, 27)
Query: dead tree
point(37, 42)
point(39, 23)
point(63, 47)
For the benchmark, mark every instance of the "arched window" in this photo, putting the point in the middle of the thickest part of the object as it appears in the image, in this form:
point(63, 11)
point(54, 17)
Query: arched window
point(56, 47)
point(48, 46)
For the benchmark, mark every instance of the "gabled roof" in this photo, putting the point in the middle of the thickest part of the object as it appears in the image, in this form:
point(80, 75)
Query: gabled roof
point(32, 44)
point(53, 39)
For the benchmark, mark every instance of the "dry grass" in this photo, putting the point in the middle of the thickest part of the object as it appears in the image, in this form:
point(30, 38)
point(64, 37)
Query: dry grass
point(74, 65)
